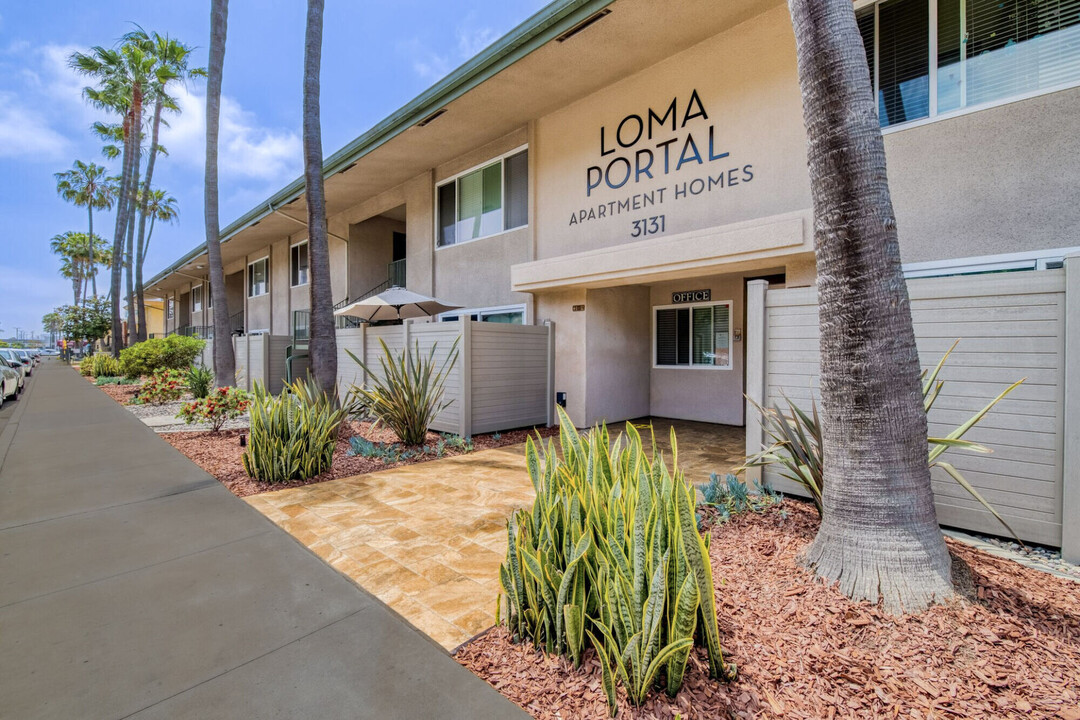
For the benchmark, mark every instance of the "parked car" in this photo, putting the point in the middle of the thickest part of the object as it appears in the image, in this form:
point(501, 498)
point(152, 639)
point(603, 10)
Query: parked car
point(27, 360)
point(28, 353)
point(12, 356)
point(11, 382)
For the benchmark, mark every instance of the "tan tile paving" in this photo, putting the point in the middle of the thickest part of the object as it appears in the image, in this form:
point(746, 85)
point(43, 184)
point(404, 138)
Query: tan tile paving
point(427, 539)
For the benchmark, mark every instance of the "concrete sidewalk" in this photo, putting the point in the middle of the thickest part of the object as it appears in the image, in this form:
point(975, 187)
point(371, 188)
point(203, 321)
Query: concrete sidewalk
point(132, 584)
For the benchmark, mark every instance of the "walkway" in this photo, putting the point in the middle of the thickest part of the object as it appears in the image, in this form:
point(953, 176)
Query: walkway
point(132, 584)
point(427, 539)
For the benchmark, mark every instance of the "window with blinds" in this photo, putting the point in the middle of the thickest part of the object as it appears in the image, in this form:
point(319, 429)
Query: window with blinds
point(987, 51)
point(484, 201)
point(694, 336)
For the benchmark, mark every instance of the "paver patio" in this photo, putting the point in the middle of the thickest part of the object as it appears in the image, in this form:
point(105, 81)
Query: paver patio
point(427, 539)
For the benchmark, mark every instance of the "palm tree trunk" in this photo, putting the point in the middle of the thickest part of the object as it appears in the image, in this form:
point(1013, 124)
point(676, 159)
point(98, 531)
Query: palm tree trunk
point(93, 249)
point(224, 358)
point(140, 245)
point(118, 239)
point(129, 251)
point(323, 341)
point(879, 534)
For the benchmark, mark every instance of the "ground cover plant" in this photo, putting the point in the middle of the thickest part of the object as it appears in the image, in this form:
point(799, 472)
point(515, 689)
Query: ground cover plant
point(161, 387)
point(293, 434)
point(407, 395)
point(1008, 647)
point(390, 453)
point(216, 408)
point(175, 352)
point(728, 496)
point(112, 380)
point(796, 449)
point(609, 557)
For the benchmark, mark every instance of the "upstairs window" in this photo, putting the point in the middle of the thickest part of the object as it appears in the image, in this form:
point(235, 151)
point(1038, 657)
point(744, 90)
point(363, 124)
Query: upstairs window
point(967, 53)
point(693, 335)
point(298, 264)
point(485, 201)
point(259, 277)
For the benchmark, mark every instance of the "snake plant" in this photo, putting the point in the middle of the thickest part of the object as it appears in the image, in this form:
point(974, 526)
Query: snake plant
point(293, 435)
point(610, 557)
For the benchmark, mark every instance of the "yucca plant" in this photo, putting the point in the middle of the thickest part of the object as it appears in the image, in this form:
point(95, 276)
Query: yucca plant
point(407, 396)
point(293, 435)
point(610, 556)
point(103, 365)
point(795, 448)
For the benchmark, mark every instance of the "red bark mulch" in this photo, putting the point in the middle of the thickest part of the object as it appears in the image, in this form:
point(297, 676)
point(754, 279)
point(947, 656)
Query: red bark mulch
point(219, 454)
point(122, 394)
point(805, 651)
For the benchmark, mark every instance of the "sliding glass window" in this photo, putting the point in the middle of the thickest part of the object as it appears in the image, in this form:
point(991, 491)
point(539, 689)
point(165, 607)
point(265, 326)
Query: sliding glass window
point(484, 201)
point(929, 57)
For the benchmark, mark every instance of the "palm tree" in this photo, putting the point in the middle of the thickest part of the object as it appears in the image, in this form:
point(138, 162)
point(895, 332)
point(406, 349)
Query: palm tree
point(76, 260)
point(157, 205)
point(87, 186)
point(323, 342)
point(224, 359)
point(122, 76)
point(171, 65)
point(879, 534)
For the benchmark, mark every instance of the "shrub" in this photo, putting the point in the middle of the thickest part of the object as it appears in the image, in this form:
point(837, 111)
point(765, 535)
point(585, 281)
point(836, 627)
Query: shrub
point(86, 367)
point(407, 395)
point(102, 364)
point(199, 381)
point(225, 403)
point(113, 380)
point(610, 556)
point(162, 387)
point(796, 444)
point(293, 435)
point(175, 352)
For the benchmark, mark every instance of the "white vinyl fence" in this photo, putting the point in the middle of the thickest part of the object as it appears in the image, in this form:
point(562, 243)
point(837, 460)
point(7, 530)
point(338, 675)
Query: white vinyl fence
point(1010, 326)
point(502, 379)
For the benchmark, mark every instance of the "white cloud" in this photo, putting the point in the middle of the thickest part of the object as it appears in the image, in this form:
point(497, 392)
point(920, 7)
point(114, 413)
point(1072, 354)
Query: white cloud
point(471, 39)
point(26, 133)
point(245, 149)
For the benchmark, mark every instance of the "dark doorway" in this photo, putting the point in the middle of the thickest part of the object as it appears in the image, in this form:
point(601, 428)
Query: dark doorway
point(399, 246)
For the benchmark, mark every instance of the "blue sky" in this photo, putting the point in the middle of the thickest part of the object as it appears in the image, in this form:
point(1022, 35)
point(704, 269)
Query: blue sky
point(376, 57)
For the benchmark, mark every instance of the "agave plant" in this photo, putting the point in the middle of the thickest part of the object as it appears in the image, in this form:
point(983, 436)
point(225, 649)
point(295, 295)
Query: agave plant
point(795, 448)
point(293, 435)
point(407, 395)
point(610, 556)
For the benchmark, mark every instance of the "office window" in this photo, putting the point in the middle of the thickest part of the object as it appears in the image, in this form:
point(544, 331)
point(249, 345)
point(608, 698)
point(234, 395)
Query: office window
point(987, 51)
point(196, 298)
point(259, 277)
point(484, 201)
point(693, 336)
point(298, 264)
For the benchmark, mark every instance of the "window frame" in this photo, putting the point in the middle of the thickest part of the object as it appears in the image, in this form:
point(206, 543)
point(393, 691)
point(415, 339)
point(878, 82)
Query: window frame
point(692, 365)
point(307, 271)
point(197, 306)
point(266, 259)
point(501, 159)
point(932, 51)
point(456, 315)
point(170, 309)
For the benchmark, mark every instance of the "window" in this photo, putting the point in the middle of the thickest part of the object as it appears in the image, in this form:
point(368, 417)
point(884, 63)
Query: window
point(968, 53)
point(298, 264)
point(693, 335)
point(259, 277)
point(484, 201)
point(196, 298)
point(209, 297)
point(171, 305)
point(510, 315)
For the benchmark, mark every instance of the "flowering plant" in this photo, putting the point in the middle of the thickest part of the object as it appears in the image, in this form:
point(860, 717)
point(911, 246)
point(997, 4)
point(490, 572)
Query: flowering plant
point(224, 403)
point(162, 387)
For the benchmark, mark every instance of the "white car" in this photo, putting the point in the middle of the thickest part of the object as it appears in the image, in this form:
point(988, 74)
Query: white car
point(11, 381)
point(11, 356)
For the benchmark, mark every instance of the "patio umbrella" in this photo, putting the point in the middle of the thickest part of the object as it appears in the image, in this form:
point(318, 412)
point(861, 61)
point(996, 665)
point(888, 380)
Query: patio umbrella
point(397, 303)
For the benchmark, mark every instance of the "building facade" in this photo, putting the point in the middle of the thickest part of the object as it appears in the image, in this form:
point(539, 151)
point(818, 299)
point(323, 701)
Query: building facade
point(627, 169)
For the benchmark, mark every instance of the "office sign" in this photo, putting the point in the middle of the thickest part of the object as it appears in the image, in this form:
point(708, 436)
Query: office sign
point(691, 296)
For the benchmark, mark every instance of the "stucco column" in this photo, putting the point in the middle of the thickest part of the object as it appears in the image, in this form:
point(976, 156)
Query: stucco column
point(754, 337)
point(1070, 505)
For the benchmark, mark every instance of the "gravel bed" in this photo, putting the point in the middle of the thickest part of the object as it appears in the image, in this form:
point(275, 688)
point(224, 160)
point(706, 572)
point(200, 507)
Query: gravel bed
point(1033, 556)
point(240, 423)
point(168, 409)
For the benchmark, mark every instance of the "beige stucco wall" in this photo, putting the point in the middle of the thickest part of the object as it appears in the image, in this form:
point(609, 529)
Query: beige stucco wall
point(569, 347)
point(618, 349)
point(370, 250)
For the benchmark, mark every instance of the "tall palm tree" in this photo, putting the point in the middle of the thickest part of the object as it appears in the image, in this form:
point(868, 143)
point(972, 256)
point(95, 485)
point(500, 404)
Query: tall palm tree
point(78, 257)
point(879, 534)
point(323, 341)
point(224, 358)
point(170, 66)
point(157, 205)
point(87, 186)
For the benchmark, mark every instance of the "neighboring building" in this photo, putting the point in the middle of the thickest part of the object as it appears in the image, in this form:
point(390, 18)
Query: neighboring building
point(625, 168)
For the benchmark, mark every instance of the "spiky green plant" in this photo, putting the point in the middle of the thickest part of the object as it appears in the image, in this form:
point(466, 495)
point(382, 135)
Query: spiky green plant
point(609, 556)
point(795, 448)
point(293, 435)
point(103, 365)
point(407, 395)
